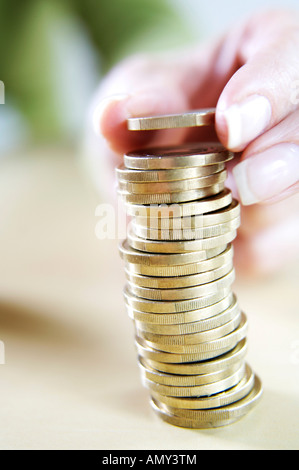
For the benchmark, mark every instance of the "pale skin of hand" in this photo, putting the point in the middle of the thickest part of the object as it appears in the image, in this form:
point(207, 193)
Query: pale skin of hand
point(251, 76)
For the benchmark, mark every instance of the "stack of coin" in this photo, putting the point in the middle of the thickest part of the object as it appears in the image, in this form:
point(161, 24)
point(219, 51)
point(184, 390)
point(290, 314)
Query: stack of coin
point(190, 330)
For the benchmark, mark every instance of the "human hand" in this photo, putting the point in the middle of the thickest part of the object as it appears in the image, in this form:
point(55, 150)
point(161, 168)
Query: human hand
point(251, 76)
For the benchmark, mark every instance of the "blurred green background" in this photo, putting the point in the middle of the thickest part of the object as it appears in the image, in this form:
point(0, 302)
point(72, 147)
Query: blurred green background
point(54, 53)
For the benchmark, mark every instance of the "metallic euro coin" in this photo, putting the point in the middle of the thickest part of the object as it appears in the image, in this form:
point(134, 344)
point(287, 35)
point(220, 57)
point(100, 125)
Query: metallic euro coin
point(220, 362)
point(178, 281)
point(186, 327)
point(179, 156)
point(183, 209)
point(177, 174)
point(194, 118)
point(144, 350)
point(229, 341)
point(189, 222)
point(186, 234)
point(184, 407)
point(171, 198)
point(178, 306)
point(172, 186)
point(184, 293)
point(192, 338)
point(199, 267)
point(190, 332)
point(214, 417)
point(181, 246)
point(196, 390)
point(177, 380)
point(174, 319)
point(131, 255)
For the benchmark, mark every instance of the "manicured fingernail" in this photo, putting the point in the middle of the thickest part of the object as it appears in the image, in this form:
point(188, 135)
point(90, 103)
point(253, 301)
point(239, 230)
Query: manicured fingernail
point(267, 174)
point(245, 121)
point(102, 107)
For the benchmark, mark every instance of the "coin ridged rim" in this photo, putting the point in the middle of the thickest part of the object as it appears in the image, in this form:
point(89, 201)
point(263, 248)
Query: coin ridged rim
point(170, 198)
point(179, 156)
point(173, 318)
point(184, 293)
point(229, 340)
point(185, 407)
point(177, 174)
point(132, 255)
point(191, 327)
point(186, 234)
point(184, 269)
point(192, 338)
point(179, 306)
point(194, 118)
point(177, 380)
point(221, 416)
point(196, 390)
point(172, 186)
point(179, 281)
point(220, 216)
point(150, 353)
point(183, 209)
point(217, 363)
point(178, 247)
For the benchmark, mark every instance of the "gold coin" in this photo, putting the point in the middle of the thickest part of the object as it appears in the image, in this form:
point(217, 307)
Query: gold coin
point(160, 356)
point(230, 340)
point(197, 390)
point(189, 327)
point(195, 118)
point(131, 255)
point(184, 407)
point(193, 222)
point(184, 293)
point(184, 209)
point(186, 234)
point(163, 319)
point(178, 174)
point(178, 281)
point(192, 338)
point(219, 362)
point(156, 306)
point(172, 186)
point(214, 417)
point(169, 198)
point(183, 246)
point(176, 380)
point(201, 267)
point(179, 156)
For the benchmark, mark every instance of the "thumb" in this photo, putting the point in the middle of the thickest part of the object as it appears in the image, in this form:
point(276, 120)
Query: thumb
point(259, 94)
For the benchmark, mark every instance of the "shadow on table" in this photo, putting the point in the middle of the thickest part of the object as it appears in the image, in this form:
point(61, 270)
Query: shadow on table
point(271, 425)
point(31, 324)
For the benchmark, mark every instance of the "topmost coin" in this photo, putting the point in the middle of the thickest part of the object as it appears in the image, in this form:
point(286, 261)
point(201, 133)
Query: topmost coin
point(201, 117)
point(179, 156)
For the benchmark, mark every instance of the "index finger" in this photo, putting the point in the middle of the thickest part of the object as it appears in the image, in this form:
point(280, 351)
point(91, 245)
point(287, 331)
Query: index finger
point(145, 86)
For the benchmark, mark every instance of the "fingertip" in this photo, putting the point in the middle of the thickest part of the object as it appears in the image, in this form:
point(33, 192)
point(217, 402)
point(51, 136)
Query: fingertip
point(111, 114)
point(242, 122)
point(104, 109)
point(221, 127)
point(110, 121)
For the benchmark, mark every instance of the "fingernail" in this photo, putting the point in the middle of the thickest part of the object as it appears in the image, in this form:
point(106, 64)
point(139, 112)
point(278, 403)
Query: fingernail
point(102, 107)
point(245, 121)
point(267, 174)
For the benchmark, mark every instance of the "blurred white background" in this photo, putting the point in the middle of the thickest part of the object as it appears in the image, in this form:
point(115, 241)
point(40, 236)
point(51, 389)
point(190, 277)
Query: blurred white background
point(210, 18)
